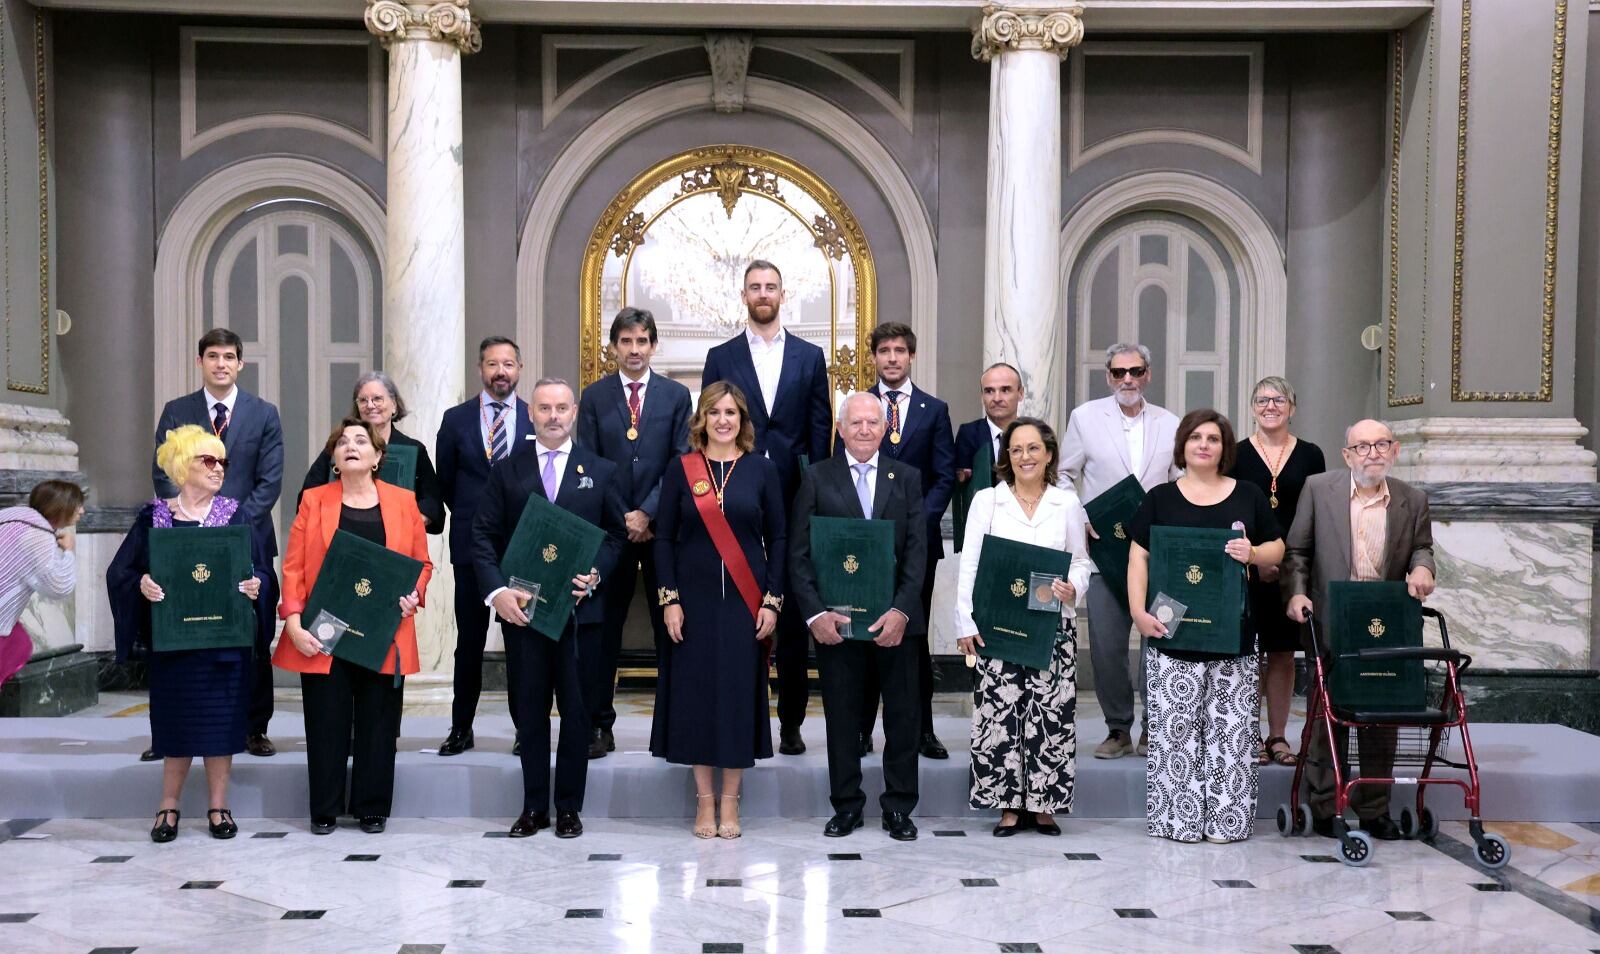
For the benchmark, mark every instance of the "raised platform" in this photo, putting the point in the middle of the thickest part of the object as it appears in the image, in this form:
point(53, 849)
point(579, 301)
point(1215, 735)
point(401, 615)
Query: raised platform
point(89, 768)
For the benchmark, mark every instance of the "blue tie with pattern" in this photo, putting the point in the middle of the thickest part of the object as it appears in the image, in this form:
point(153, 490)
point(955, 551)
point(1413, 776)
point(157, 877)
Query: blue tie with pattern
point(497, 432)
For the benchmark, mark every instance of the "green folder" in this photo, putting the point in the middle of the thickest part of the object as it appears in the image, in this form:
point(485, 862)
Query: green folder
point(1010, 630)
point(1374, 616)
point(855, 565)
point(549, 547)
point(982, 478)
point(1110, 514)
point(199, 570)
point(1190, 565)
point(399, 467)
point(361, 583)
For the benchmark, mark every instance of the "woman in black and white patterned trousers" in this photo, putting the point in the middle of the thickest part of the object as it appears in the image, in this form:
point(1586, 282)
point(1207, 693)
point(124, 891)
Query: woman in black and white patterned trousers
point(1202, 777)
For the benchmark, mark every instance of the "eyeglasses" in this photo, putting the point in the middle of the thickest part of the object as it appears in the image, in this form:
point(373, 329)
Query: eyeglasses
point(372, 401)
point(1365, 448)
point(213, 463)
point(1271, 402)
point(1117, 374)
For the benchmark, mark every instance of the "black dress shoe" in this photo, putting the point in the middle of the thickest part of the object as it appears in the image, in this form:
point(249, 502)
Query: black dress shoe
point(597, 745)
point(931, 748)
point(458, 741)
point(516, 748)
point(166, 827)
point(529, 823)
point(148, 755)
point(260, 746)
point(1323, 827)
point(568, 824)
point(1382, 828)
point(1046, 828)
point(1024, 822)
point(866, 743)
point(611, 740)
point(899, 826)
point(789, 741)
point(223, 827)
point(324, 825)
point(373, 824)
point(842, 824)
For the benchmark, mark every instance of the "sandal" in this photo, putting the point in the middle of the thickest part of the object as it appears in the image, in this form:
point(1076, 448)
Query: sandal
point(706, 831)
point(1284, 756)
point(165, 831)
point(224, 828)
point(730, 830)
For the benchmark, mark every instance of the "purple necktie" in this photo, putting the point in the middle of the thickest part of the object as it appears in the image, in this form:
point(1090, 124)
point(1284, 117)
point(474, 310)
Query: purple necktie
point(549, 476)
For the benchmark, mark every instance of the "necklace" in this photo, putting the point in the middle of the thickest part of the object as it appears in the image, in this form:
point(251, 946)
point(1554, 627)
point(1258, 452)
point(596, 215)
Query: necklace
point(1028, 506)
point(719, 484)
point(201, 518)
point(1274, 467)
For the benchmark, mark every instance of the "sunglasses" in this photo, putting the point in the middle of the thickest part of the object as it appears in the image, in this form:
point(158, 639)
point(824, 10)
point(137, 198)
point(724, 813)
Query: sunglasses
point(213, 463)
point(1117, 374)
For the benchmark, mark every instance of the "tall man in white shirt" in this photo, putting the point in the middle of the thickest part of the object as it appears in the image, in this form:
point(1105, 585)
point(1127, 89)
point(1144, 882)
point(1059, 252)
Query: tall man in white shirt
point(1107, 439)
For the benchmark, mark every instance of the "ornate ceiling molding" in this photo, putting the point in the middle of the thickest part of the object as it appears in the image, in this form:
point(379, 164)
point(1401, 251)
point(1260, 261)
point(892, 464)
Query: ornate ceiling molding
point(730, 66)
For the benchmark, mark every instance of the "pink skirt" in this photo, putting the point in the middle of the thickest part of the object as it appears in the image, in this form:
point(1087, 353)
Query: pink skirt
point(15, 651)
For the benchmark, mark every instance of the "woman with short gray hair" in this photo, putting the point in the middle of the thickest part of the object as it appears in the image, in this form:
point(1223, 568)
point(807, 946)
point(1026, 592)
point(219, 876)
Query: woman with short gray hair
point(377, 401)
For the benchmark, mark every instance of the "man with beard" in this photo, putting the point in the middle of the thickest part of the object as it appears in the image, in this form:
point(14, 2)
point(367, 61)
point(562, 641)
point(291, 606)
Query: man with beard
point(1108, 439)
point(785, 380)
point(474, 437)
point(1357, 524)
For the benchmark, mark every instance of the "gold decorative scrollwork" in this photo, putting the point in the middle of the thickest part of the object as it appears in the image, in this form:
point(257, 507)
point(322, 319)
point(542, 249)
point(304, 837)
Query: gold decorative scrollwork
point(40, 106)
point(830, 238)
point(629, 235)
point(729, 179)
point(844, 373)
point(1397, 112)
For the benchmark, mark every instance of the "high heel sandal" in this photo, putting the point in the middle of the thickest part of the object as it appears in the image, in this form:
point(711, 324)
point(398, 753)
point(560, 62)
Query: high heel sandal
point(708, 831)
point(165, 831)
point(224, 828)
point(726, 830)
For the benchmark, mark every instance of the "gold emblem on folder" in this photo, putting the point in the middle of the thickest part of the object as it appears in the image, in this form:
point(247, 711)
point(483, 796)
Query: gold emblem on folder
point(200, 574)
point(1018, 588)
point(1118, 532)
point(549, 553)
point(1376, 627)
point(1194, 576)
point(363, 587)
point(850, 563)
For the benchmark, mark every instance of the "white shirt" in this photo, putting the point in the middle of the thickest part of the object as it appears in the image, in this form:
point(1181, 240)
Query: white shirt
point(1133, 430)
point(644, 386)
point(227, 401)
point(995, 433)
point(768, 360)
point(904, 401)
point(1056, 523)
point(508, 420)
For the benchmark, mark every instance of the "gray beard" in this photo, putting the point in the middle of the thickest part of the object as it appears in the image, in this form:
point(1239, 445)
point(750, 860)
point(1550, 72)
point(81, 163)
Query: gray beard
point(1129, 398)
point(1366, 482)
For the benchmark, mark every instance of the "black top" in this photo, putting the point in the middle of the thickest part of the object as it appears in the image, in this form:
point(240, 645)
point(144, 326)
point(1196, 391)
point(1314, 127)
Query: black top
point(1304, 461)
point(1165, 505)
point(427, 491)
point(364, 522)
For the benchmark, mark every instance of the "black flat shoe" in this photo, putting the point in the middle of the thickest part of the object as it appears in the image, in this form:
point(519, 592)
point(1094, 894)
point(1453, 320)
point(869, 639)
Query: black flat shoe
point(842, 824)
point(165, 831)
point(528, 824)
point(223, 828)
point(458, 741)
point(899, 826)
point(323, 826)
point(1046, 828)
point(1024, 822)
point(148, 755)
point(260, 746)
point(789, 741)
point(373, 824)
point(931, 748)
point(568, 825)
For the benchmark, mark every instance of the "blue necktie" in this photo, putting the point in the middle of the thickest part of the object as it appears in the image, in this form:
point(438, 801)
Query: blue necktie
point(864, 489)
point(497, 433)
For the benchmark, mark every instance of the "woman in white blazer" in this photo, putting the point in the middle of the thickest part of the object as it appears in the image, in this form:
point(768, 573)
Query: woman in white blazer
point(1024, 741)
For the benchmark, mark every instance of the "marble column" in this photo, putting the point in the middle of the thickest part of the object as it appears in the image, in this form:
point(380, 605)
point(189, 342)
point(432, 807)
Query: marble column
point(424, 278)
point(1024, 46)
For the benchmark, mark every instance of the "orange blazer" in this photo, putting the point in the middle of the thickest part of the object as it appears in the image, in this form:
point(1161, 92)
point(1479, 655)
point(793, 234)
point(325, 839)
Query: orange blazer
point(309, 539)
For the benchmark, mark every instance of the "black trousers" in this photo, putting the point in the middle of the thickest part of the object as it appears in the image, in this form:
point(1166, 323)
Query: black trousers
point(472, 632)
point(600, 668)
point(843, 670)
point(371, 700)
point(260, 712)
point(792, 654)
point(870, 691)
point(537, 670)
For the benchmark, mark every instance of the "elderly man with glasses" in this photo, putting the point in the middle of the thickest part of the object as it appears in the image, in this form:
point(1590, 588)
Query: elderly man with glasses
point(1357, 524)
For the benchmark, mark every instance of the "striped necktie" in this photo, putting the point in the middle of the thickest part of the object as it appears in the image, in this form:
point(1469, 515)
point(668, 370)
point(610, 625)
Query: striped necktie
point(497, 432)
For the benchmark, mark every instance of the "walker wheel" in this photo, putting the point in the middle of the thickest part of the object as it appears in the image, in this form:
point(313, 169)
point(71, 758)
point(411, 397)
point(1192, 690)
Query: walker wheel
point(1408, 822)
point(1304, 828)
point(1493, 852)
point(1427, 825)
point(1356, 847)
point(1285, 826)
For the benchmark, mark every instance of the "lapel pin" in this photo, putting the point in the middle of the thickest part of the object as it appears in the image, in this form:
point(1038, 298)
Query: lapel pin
point(580, 468)
point(890, 475)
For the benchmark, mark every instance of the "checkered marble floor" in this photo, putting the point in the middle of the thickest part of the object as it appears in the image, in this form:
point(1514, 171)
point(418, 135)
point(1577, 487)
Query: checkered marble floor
point(459, 885)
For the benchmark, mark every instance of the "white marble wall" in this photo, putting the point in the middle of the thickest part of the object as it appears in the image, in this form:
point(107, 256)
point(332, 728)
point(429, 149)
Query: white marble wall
point(1494, 450)
point(35, 438)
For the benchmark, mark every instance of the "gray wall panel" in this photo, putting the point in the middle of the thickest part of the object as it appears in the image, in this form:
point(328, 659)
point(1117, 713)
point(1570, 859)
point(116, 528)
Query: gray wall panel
point(1587, 342)
point(489, 133)
point(963, 168)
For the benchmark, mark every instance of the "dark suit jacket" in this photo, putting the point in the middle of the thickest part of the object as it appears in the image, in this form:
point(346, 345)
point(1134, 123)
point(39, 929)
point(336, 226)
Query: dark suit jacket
point(828, 490)
point(429, 502)
point(970, 439)
point(254, 442)
point(801, 422)
point(1319, 542)
point(464, 467)
point(506, 495)
point(926, 444)
point(603, 422)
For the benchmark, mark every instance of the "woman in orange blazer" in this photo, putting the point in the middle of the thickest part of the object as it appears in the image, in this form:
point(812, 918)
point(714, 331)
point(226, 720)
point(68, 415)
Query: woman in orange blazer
point(337, 692)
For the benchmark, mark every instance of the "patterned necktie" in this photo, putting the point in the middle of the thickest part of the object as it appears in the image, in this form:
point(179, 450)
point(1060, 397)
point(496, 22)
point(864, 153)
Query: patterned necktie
point(497, 432)
point(549, 476)
point(894, 411)
point(864, 489)
point(219, 421)
point(633, 401)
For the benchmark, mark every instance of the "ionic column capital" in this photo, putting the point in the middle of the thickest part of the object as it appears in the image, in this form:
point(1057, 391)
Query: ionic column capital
point(444, 21)
point(1002, 28)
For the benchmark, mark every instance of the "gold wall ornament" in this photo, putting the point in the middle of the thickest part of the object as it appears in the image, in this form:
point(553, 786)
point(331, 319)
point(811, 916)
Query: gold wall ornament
point(845, 373)
point(41, 129)
point(1397, 114)
point(1194, 576)
point(201, 573)
point(1001, 28)
point(851, 564)
point(445, 21)
point(363, 587)
point(1018, 588)
point(549, 553)
point(629, 235)
point(1376, 627)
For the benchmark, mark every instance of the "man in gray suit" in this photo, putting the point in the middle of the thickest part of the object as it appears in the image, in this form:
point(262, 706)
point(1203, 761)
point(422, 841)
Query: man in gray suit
point(253, 437)
point(1357, 524)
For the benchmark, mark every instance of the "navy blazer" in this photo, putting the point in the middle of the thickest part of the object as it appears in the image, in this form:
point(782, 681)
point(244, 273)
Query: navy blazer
point(463, 467)
point(506, 495)
point(801, 422)
point(603, 422)
point(254, 443)
point(926, 444)
point(970, 437)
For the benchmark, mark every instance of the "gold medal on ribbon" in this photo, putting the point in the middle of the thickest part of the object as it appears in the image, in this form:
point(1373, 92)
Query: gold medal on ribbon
point(701, 488)
point(894, 438)
point(633, 433)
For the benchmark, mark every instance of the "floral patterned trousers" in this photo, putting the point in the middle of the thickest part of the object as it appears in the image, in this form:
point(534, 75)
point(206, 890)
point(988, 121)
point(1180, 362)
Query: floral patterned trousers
point(1024, 733)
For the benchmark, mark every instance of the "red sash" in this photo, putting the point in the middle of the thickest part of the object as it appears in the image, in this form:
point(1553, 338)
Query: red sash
point(694, 467)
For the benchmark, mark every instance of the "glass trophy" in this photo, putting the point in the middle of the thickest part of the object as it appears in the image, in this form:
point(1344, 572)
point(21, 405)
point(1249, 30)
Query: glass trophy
point(1169, 612)
point(328, 629)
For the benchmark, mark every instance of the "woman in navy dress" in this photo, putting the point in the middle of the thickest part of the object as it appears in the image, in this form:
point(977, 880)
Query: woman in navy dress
point(711, 695)
point(199, 698)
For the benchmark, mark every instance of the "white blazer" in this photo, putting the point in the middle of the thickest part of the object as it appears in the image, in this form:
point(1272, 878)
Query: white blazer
point(1094, 453)
point(1057, 523)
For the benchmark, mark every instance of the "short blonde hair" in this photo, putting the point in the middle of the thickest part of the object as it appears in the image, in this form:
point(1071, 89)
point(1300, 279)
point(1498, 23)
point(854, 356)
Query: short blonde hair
point(1274, 383)
point(182, 446)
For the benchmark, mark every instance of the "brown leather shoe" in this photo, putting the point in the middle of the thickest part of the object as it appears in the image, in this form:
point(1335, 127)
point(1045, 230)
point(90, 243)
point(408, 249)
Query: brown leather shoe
point(259, 745)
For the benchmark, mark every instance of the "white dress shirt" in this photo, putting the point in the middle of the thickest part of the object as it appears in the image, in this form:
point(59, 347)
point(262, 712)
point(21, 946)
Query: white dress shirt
point(227, 401)
point(1133, 431)
point(995, 433)
point(768, 360)
point(508, 421)
point(644, 387)
point(1056, 523)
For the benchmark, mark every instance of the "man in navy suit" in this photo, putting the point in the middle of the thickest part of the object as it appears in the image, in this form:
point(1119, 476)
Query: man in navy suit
point(579, 481)
point(640, 422)
point(474, 438)
point(917, 432)
point(253, 436)
point(979, 440)
point(785, 383)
